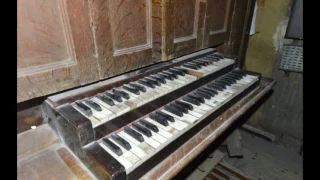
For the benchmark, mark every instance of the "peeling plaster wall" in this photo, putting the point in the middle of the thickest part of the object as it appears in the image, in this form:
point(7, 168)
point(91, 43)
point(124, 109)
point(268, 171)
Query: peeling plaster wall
point(282, 113)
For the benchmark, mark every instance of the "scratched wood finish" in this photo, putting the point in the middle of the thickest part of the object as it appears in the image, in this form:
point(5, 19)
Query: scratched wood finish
point(218, 21)
point(176, 161)
point(55, 49)
point(127, 34)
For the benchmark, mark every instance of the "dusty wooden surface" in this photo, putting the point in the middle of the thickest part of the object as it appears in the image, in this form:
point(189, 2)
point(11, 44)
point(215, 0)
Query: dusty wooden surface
point(41, 155)
point(55, 49)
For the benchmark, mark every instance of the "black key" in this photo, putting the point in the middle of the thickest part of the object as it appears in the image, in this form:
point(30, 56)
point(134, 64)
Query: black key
point(114, 96)
point(233, 80)
point(137, 86)
point(167, 116)
point(85, 108)
point(167, 76)
point(237, 77)
point(189, 106)
point(180, 107)
point(190, 66)
point(146, 83)
point(203, 63)
point(114, 148)
point(153, 81)
point(173, 110)
point(226, 80)
point(192, 101)
point(176, 72)
point(93, 105)
point(195, 64)
point(133, 134)
point(121, 93)
point(105, 99)
point(181, 69)
point(213, 91)
point(206, 61)
point(131, 89)
point(239, 73)
point(159, 119)
point(206, 91)
point(200, 99)
point(211, 59)
point(223, 86)
point(121, 141)
point(202, 94)
point(159, 78)
point(219, 81)
point(217, 55)
point(215, 87)
point(175, 76)
point(142, 129)
point(149, 125)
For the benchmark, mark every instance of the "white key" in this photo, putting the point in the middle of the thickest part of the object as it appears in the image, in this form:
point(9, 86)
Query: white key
point(197, 110)
point(126, 154)
point(124, 108)
point(178, 125)
point(186, 117)
point(172, 84)
point(210, 102)
point(194, 113)
point(126, 163)
point(170, 88)
point(99, 115)
point(158, 137)
point(153, 143)
point(168, 129)
point(191, 77)
point(95, 122)
point(135, 149)
point(144, 146)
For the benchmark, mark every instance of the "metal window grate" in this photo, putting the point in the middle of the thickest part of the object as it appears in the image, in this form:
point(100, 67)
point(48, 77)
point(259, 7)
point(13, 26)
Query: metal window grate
point(292, 58)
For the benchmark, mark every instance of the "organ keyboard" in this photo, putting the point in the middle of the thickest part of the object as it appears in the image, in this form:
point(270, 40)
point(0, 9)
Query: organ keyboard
point(124, 129)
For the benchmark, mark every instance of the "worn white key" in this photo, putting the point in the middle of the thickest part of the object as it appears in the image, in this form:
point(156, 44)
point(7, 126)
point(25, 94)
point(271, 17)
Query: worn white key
point(135, 149)
point(105, 111)
point(191, 77)
point(117, 111)
point(178, 125)
point(210, 102)
point(160, 126)
point(194, 113)
point(122, 106)
point(95, 122)
point(197, 110)
point(172, 84)
point(126, 154)
point(144, 146)
point(158, 137)
point(153, 143)
point(186, 117)
point(170, 88)
point(97, 114)
point(126, 163)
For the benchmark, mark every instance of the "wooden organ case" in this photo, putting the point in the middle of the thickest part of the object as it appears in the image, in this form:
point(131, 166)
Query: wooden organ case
point(137, 88)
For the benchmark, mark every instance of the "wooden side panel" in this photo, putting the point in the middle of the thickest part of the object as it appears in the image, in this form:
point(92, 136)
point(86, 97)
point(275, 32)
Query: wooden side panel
point(183, 28)
point(55, 49)
point(218, 21)
point(127, 34)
